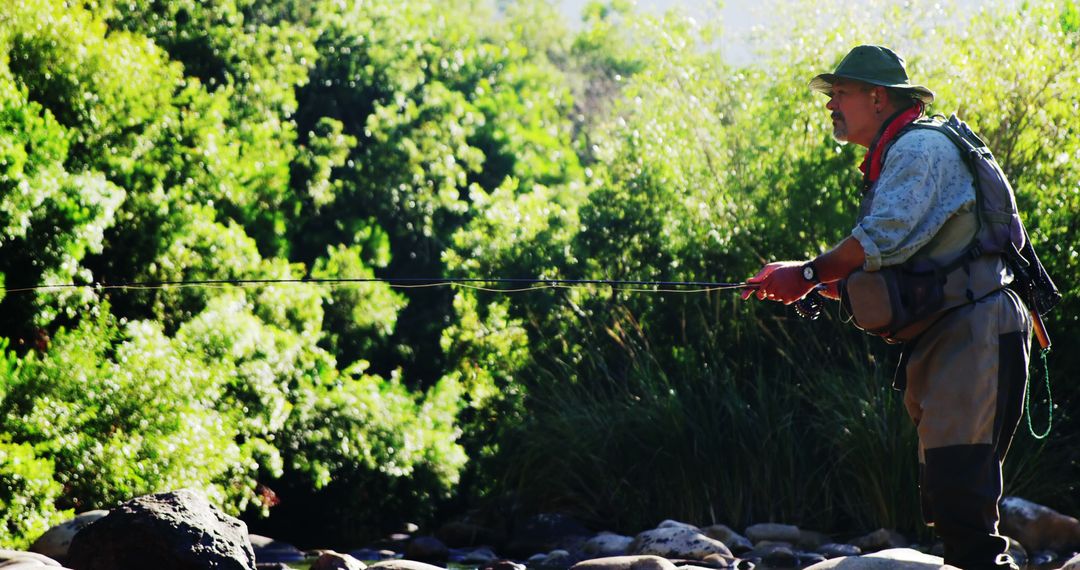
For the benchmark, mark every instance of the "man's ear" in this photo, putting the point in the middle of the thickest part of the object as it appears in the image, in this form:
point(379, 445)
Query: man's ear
point(880, 97)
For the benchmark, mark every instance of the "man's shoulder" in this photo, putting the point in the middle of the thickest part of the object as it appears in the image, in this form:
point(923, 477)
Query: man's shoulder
point(924, 137)
point(923, 141)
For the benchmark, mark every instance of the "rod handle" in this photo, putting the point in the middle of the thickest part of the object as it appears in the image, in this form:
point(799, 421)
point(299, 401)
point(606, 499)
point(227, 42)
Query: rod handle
point(1040, 329)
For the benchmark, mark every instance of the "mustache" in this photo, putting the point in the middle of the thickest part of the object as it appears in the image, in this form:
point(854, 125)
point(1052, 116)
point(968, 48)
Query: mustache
point(837, 116)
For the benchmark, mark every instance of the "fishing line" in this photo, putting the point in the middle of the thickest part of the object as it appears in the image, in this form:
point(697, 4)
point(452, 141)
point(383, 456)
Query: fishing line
point(476, 283)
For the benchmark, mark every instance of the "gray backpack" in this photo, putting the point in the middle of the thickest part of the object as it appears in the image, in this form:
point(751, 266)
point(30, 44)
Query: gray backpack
point(1000, 228)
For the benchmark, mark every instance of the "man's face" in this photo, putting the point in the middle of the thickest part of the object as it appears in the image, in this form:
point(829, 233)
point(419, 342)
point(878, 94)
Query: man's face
point(855, 117)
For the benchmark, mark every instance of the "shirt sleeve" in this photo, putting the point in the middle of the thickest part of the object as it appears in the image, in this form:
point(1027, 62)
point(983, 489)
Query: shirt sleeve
point(908, 206)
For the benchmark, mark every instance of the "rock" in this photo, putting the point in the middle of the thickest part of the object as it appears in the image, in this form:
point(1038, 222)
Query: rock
point(543, 533)
point(403, 565)
point(892, 559)
point(427, 549)
point(504, 565)
point(56, 541)
point(177, 530)
point(556, 560)
point(736, 542)
point(1017, 552)
point(268, 550)
point(775, 556)
point(833, 550)
point(369, 554)
point(669, 523)
point(464, 533)
point(678, 542)
point(1038, 527)
point(880, 539)
point(479, 556)
point(645, 562)
point(330, 560)
point(772, 531)
point(607, 544)
point(809, 559)
point(1072, 564)
point(1043, 558)
point(410, 528)
point(17, 559)
point(810, 539)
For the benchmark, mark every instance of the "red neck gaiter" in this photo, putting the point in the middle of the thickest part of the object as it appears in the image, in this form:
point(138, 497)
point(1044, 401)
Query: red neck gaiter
point(871, 164)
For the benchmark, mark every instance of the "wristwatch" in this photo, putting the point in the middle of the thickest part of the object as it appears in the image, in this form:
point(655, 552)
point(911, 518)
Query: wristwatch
point(809, 272)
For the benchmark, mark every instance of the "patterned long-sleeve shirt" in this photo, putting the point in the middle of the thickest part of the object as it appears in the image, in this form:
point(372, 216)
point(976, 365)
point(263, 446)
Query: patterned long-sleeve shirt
point(924, 182)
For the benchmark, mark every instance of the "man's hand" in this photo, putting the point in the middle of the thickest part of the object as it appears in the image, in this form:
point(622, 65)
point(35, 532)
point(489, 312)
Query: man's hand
point(780, 281)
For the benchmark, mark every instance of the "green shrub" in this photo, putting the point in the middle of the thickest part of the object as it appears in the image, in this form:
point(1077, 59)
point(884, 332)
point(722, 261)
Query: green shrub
point(120, 412)
point(28, 495)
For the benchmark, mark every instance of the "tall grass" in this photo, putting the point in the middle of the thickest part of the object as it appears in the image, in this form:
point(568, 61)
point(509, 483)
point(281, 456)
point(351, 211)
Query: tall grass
point(796, 423)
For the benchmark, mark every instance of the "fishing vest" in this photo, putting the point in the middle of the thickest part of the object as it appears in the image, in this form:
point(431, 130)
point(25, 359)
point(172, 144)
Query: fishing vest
point(965, 261)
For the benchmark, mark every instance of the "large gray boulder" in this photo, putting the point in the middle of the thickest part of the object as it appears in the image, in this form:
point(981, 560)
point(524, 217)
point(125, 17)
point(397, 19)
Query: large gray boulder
point(1038, 527)
point(678, 541)
point(892, 559)
point(178, 530)
point(57, 540)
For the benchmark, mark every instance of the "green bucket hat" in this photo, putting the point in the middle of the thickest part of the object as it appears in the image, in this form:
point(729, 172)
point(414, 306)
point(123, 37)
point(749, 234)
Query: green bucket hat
point(876, 65)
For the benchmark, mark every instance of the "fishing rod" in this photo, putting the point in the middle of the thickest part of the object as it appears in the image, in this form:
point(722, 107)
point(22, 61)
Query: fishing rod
point(530, 283)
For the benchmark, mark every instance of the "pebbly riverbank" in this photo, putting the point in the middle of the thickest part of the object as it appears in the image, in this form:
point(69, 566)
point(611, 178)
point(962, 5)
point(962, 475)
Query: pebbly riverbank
point(180, 530)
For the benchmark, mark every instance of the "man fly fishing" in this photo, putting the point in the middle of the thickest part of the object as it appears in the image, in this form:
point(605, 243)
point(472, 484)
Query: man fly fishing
point(913, 271)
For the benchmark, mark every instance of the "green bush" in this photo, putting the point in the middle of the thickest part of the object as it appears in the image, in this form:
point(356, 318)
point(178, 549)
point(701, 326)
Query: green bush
point(120, 412)
point(28, 495)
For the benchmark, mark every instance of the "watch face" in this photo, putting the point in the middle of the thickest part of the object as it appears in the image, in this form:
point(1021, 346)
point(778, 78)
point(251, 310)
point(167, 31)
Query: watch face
point(808, 272)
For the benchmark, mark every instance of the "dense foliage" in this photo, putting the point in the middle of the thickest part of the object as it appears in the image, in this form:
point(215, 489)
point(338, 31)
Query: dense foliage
point(152, 141)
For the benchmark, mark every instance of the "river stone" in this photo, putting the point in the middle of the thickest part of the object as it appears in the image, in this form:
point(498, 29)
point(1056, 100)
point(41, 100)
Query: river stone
point(427, 549)
point(774, 532)
point(504, 565)
point(811, 539)
point(880, 539)
point(1038, 527)
point(833, 550)
point(892, 559)
point(774, 554)
point(19, 559)
point(403, 565)
point(669, 523)
point(557, 560)
point(330, 560)
point(643, 562)
point(677, 542)
point(268, 550)
point(607, 544)
point(177, 530)
point(479, 556)
point(57, 540)
point(736, 542)
point(1072, 564)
